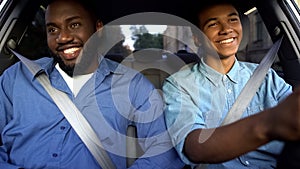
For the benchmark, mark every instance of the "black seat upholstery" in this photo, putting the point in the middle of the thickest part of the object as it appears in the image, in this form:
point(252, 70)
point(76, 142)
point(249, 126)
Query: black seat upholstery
point(187, 57)
point(115, 57)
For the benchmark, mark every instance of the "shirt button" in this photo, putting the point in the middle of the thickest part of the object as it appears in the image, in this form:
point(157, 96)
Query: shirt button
point(229, 91)
point(247, 162)
point(54, 155)
point(62, 127)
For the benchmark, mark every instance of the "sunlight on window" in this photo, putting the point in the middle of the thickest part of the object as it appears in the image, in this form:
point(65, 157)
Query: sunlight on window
point(128, 32)
point(294, 7)
point(2, 3)
point(297, 2)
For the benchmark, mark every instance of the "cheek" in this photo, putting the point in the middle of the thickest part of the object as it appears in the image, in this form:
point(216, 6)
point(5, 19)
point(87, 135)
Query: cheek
point(84, 33)
point(208, 41)
point(51, 43)
point(210, 34)
point(240, 32)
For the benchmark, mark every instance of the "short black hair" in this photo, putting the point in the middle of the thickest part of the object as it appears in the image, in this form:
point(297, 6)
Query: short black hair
point(91, 6)
point(197, 6)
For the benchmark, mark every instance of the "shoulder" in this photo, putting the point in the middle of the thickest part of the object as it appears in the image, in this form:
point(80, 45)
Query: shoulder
point(124, 73)
point(116, 67)
point(252, 66)
point(248, 65)
point(188, 71)
point(20, 68)
point(44, 60)
point(19, 71)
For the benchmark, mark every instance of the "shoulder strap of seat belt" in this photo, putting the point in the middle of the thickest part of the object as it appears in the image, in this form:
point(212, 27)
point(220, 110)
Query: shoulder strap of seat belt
point(73, 115)
point(252, 85)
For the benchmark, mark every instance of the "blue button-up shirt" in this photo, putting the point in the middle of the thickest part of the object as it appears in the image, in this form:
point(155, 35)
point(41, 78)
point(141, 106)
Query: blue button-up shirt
point(200, 97)
point(36, 135)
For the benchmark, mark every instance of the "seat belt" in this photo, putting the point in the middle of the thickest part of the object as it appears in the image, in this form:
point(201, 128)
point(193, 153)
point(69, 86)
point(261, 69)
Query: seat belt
point(72, 114)
point(252, 85)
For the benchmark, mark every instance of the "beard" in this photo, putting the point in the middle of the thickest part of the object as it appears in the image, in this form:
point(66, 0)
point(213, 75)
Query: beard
point(68, 69)
point(86, 65)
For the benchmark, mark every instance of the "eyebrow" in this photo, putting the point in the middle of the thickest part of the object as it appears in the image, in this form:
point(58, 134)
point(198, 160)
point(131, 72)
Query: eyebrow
point(50, 24)
point(233, 14)
point(213, 19)
point(67, 20)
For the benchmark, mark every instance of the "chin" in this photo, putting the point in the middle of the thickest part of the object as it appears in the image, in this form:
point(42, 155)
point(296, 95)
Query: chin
point(227, 55)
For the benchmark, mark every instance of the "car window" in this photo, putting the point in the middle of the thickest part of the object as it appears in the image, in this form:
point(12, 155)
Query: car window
point(152, 49)
point(176, 40)
point(296, 2)
point(173, 40)
point(33, 44)
point(3, 3)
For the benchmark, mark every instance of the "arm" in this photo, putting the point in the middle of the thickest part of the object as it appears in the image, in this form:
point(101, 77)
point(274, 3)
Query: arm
point(281, 122)
point(5, 116)
point(188, 107)
point(9, 166)
point(151, 129)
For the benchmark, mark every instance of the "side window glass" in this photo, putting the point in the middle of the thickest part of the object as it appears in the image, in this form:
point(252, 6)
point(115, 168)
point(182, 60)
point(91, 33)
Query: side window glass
point(158, 50)
point(259, 41)
point(297, 2)
point(293, 7)
point(33, 44)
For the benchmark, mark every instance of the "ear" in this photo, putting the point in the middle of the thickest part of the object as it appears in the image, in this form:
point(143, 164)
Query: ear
point(196, 41)
point(99, 25)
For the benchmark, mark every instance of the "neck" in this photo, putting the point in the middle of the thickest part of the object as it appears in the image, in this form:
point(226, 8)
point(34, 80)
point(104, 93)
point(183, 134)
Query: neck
point(221, 64)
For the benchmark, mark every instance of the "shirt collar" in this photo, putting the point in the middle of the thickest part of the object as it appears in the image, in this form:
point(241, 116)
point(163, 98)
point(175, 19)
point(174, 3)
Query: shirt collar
point(108, 66)
point(216, 77)
point(233, 74)
point(212, 75)
point(46, 65)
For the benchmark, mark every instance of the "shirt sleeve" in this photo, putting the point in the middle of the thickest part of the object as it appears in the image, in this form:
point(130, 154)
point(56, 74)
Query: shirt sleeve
point(5, 116)
point(277, 86)
point(151, 130)
point(181, 114)
point(9, 166)
point(5, 99)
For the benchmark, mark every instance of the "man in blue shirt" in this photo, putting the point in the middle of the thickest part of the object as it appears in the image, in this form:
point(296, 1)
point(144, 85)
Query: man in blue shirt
point(34, 132)
point(199, 97)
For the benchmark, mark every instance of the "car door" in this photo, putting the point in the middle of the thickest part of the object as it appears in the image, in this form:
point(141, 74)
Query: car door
point(282, 17)
point(19, 24)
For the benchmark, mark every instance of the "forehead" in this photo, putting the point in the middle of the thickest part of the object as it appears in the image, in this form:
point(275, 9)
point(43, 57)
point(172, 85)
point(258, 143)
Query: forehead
point(63, 9)
point(217, 11)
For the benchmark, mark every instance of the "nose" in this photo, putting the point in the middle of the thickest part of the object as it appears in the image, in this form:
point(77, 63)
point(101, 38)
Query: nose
point(64, 36)
point(225, 28)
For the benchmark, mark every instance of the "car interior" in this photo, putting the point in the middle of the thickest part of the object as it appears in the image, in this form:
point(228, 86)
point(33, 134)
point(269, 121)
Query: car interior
point(22, 28)
point(264, 21)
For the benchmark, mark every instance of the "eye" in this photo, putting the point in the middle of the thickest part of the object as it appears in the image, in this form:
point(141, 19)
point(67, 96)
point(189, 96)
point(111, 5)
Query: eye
point(234, 19)
point(75, 25)
point(51, 30)
point(211, 25)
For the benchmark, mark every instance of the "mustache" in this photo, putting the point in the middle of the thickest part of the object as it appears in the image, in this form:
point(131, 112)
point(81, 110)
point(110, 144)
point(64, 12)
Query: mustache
point(61, 47)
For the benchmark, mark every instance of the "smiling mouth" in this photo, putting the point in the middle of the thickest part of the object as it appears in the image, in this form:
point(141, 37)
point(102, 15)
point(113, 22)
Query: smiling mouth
point(71, 50)
point(70, 53)
point(226, 41)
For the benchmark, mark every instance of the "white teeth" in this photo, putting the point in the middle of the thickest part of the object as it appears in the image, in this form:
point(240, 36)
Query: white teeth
point(70, 51)
point(226, 41)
